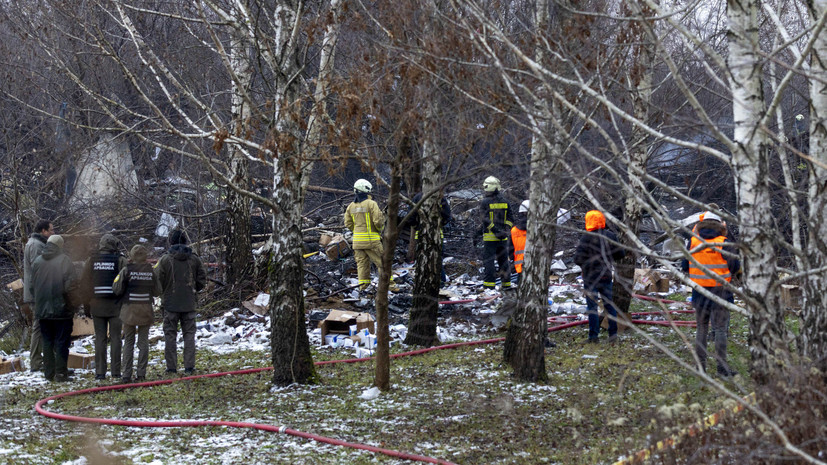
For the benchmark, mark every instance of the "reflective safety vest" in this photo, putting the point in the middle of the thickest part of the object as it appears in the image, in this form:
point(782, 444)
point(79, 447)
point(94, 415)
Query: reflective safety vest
point(496, 212)
point(712, 259)
point(518, 237)
point(104, 272)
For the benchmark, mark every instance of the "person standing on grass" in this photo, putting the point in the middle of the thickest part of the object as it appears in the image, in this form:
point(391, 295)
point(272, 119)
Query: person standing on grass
point(53, 285)
point(714, 262)
point(595, 255)
point(99, 273)
point(181, 275)
point(137, 285)
point(34, 247)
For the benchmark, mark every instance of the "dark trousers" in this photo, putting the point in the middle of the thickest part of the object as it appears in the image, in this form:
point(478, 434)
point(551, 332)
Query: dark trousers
point(56, 335)
point(171, 320)
point(601, 289)
point(112, 325)
point(495, 260)
point(708, 313)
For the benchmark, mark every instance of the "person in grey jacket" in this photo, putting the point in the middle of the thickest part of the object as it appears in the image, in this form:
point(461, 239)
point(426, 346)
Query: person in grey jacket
point(34, 247)
point(53, 285)
point(181, 275)
point(137, 285)
point(99, 273)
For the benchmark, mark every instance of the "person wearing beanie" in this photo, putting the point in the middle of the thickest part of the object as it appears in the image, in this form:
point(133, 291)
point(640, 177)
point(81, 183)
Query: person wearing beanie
point(181, 275)
point(595, 254)
point(53, 286)
point(136, 284)
point(34, 247)
point(98, 274)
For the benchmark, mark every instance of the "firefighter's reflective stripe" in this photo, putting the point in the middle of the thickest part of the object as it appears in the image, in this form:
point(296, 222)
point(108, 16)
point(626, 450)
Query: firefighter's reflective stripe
point(489, 235)
point(711, 258)
point(103, 290)
point(489, 285)
point(367, 236)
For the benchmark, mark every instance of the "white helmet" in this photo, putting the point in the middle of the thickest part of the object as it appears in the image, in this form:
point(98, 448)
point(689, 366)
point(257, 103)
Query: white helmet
point(491, 184)
point(711, 216)
point(524, 206)
point(362, 185)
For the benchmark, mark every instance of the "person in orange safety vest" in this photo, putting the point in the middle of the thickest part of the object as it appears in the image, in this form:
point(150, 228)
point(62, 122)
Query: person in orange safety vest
point(714, 263)
point(516, 241)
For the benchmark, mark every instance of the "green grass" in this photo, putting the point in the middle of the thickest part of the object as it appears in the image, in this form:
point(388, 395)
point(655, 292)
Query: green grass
point(602, 402)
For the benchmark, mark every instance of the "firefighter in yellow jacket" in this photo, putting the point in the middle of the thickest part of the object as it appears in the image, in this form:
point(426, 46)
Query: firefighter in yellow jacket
point(364, 218)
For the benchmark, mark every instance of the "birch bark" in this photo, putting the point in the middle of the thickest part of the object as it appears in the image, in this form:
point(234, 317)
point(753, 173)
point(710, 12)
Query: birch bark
point(750, 162)
point(813, 338)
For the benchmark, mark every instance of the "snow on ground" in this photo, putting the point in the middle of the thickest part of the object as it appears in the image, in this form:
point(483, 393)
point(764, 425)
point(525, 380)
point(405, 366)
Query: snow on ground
point(460, 323)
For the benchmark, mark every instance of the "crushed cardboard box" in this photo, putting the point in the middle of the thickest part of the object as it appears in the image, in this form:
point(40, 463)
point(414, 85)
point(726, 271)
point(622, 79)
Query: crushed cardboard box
point(624, 321)
point(649, 281)
point(259, 305)
point(82, 326)
point(337, 248)
point(340, 323)
point(8, 365)
point(84, 361)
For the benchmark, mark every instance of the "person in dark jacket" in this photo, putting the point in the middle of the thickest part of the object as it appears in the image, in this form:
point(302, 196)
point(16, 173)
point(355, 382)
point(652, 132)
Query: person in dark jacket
point(99, 273)
point(495, 226)
point(595, 254)
point(53, 285)
point(34, 247)
point(717, 262)
point(181, 275)
point(445, 213)
point(138, 285)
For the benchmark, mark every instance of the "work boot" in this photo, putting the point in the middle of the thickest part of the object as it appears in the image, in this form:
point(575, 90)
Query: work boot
point(63, 378)
point(726, 373)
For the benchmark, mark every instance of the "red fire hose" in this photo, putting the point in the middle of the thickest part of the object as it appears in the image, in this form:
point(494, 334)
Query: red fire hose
point(283, 429)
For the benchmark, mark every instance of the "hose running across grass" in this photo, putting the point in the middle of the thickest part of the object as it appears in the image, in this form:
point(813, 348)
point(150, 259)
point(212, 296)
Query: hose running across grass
point(271, 428)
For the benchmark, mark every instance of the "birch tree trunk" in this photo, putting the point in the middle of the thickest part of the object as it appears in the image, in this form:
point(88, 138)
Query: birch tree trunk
point(813, 337)
point(639, 81)
point(237, 240)
point(750, 163)
point(425, 306)
point(290, 347)
point(524, 347)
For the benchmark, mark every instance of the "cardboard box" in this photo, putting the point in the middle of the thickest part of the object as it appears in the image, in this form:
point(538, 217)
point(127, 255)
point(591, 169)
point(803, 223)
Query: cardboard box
point(82, 326)
point(337, 248)
point(9, 365)
point(259, 305)
point(648, 281)
point(84, 361)
point(791, 296)
point(15, 285)
point(624, 321)
point(325, 239)
point(339, 322)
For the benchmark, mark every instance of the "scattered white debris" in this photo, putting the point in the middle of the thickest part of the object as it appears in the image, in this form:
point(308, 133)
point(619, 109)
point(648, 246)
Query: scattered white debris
point(370, 394)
